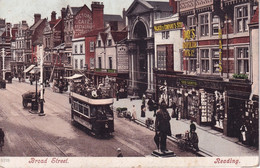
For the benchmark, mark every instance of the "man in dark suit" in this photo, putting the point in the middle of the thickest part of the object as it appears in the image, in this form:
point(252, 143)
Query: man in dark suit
point(162, 126)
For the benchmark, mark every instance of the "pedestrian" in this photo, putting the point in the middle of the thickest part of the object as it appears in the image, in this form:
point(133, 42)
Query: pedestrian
point(143, 110)
point(155, 108)
point(162, 126)
point(243, 130)
point(192, 126)
point(194, 139)
point(31, 80)
point(2, 136)
point(119, 152)
point(133, 113)
point(177, 113)
point(150, 104)
point(173, 110)
point(143, 99)
point(117, 95)
point(19, 77)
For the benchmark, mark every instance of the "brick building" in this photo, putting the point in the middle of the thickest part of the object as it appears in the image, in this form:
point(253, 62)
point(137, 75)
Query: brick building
point(214, 87)
point(53, 37)
point(5, 42)
point(111, 59)
point(34, 38)
point(79, 21)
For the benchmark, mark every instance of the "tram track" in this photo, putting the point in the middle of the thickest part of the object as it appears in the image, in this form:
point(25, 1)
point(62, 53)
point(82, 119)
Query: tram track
point(22, 123)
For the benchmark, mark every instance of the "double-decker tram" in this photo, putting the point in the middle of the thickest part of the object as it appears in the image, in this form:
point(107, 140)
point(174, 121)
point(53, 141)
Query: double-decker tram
point(92, 109)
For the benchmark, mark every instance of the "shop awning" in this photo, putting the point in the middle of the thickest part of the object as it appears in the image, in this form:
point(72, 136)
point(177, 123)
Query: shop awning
point(35, 70)
point(75, 76)
point(29, 68)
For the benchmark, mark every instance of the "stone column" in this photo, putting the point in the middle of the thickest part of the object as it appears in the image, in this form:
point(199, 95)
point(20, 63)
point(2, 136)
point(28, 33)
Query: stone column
point(132, 70)
point(148, 71)
point(152, 78)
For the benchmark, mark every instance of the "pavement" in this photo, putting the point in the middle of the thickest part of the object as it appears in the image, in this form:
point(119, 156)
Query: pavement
point(211, 142)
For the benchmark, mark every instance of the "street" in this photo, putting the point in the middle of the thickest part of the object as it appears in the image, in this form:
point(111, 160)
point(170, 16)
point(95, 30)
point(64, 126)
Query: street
point(28, 134)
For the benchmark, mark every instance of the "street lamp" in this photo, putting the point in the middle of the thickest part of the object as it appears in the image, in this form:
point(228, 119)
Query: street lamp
point(3, 56)
point(41, 82)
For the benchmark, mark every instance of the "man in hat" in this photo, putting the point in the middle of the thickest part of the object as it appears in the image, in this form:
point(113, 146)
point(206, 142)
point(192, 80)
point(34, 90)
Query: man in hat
point(119, 152)
point(162, 126)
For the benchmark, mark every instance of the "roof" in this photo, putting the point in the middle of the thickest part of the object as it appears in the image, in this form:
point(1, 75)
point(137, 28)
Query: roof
point(35, 25)
point(53, 23)
point(110, 18)
point(151, 5)
point(60, 47)
point(255, 18)
point(118, 36)
point(103, 36)
point(94, 32)
point(162, 6)
point(75, 10)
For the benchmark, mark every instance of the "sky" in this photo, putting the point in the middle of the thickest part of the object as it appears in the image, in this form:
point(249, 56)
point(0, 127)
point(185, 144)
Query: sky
point(14, 11)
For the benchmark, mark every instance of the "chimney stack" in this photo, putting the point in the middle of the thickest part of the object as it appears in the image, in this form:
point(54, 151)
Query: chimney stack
point(97, 15)
point(173, 3)
point(24, 22)
point(53, 16)
point(37, 17)
point(124, 17)
point(63, 13)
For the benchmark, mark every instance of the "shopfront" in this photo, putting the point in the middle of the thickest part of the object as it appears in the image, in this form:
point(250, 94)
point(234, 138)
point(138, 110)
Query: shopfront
point(199, 99)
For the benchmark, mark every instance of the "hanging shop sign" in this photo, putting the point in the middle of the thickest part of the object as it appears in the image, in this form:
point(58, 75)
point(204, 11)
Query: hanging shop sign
point(220, 49)
point(174, 25)
point(189, 46)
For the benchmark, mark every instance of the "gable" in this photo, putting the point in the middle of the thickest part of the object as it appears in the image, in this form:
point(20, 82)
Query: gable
point(137, 9)
point(47, 28)
point(82, 22)
point(139, 6)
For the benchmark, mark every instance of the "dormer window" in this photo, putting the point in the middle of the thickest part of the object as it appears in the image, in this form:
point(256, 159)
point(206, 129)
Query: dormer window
point(99, 43)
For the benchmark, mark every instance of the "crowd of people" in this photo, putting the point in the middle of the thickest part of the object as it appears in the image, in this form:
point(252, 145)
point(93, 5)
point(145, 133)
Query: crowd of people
point(88, 89)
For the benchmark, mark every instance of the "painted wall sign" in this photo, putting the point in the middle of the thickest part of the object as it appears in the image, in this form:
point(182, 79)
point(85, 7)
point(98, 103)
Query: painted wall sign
point(82, 23)
point(189, 47)
point(175, 25)
point(122, 58)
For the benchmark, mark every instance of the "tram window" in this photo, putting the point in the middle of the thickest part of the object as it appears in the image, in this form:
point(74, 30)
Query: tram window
point(93, 112)
point(86, 111)
point(76, 106)
point(80, 108)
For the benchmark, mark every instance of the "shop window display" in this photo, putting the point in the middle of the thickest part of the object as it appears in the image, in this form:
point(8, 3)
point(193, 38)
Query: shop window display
point(207, 104)
point(193, 104)
point(218, 116)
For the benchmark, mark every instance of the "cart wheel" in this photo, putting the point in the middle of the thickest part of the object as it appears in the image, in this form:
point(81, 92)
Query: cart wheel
point(25, 103)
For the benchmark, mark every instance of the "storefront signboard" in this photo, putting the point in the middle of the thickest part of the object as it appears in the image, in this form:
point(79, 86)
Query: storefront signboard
point(188, 82)
point(170, 26)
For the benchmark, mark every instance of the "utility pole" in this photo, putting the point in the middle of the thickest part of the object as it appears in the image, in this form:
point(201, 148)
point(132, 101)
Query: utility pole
point(41, 82)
